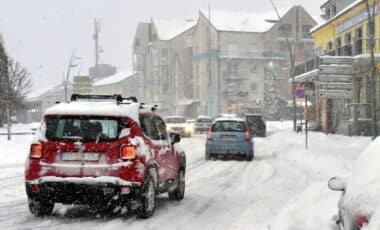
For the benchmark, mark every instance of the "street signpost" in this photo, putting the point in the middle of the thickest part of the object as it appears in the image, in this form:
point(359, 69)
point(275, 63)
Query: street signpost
point(336, 69)
point(335, 60)
point(335, 86)
point(335, 78)
point(335, 94)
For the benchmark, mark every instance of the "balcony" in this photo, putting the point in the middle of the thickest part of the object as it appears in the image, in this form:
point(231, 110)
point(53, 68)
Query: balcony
point(235, 76)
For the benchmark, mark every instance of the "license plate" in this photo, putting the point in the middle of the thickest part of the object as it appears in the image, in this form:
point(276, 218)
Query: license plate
point(80, 156)
point(228, 138)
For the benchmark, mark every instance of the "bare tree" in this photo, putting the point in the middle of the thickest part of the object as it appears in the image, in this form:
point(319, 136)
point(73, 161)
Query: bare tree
point(372, 72)
point(3, 83)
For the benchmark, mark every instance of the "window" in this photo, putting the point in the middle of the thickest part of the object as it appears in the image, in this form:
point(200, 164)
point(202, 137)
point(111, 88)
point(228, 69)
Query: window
point(306, 31)
point(338, 44)
point(148, 127)
point(254, 87)
point(161, 128)
point(333, 11)
point(228, 126)
point(286, 30)
point(253, 67)
point(347, 44)
point(233, 69)
point(82, 129)
point(358, 41)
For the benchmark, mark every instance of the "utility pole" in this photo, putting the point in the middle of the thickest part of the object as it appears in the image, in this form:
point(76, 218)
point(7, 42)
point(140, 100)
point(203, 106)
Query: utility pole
point(209, 69)
point(371, 23)
point(291, 59)
point(96, 39)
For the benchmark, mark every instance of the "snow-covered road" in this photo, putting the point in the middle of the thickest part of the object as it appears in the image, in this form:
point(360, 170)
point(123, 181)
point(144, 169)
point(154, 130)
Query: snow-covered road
point(285, 187)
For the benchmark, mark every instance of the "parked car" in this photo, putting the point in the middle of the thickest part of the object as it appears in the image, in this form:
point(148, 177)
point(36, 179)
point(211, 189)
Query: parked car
point(360, 197)
point(229, 137)
point(104, 153)
point(202, 123)
point(256, 124)
point(179, 125)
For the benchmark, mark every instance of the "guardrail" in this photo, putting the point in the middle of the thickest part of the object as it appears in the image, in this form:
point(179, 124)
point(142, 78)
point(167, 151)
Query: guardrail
point(17, 133)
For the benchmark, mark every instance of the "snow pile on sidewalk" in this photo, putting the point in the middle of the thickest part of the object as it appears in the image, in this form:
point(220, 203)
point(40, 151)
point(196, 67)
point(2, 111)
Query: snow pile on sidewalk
point(15, 151)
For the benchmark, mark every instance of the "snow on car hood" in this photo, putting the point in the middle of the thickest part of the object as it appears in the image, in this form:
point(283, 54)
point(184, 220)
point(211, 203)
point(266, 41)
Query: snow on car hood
point(362, 193)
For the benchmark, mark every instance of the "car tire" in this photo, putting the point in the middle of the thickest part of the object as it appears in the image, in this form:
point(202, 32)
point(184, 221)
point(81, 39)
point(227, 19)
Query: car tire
point(148, 198)
point(207, 157)
point(250, 157)
point(39, 208)
point(179, 192)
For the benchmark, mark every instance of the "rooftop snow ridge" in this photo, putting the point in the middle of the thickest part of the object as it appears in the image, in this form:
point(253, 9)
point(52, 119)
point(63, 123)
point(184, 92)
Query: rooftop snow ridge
point(224, 20)
point(168, 29)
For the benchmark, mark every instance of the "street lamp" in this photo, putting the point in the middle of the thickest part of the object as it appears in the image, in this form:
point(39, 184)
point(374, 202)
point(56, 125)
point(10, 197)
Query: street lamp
point(291, 58)
point(71, 64)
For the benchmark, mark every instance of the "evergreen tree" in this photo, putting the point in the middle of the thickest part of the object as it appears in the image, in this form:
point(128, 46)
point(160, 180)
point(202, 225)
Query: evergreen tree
point(3, 82)
point(274, 104)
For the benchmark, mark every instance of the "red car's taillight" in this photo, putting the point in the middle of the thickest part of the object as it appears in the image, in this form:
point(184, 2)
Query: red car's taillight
point(209, 135)
point(36, 151)
point(360, 220)
point(128, 152)
point(247, 135)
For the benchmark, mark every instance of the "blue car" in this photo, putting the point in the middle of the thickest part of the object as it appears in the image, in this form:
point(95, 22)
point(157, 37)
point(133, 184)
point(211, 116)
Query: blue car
point(229, 137)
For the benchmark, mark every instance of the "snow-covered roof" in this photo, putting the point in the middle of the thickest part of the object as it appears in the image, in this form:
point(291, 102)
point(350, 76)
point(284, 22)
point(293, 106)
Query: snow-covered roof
point(107, 108)
point(116, 78)
point(34, 95)
point(169, 29)
point(242, 21)
point(345, 10)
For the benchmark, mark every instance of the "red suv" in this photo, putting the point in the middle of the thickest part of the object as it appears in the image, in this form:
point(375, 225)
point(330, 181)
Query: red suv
point(106, 152)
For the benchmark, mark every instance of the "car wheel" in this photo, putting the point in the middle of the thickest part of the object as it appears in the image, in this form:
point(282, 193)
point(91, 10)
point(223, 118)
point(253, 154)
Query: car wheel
point(148, 199)
point(250, 157)
point(179, 192)
point(39, 208)
point(208, 157)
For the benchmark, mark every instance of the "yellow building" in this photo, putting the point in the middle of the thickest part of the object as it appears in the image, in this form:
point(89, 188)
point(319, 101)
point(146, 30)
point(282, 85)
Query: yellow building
point(344, 33)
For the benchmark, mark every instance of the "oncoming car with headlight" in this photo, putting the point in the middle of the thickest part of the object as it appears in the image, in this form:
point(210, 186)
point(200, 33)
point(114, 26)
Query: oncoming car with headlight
point(105, 152)
point(179, 125)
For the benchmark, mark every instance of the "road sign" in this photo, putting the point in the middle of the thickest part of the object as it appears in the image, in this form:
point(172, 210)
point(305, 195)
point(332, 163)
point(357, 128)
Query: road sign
point(341, 60)
point(336, 69)
point(335, 86)
point(334, 78)
point(335, 94)
point(300, 92)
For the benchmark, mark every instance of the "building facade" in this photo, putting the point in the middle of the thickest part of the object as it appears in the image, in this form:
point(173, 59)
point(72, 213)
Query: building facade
point(216, 64)
point(345, 34)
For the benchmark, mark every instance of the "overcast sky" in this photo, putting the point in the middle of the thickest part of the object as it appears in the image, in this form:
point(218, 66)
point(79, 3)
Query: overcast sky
point(42, 33)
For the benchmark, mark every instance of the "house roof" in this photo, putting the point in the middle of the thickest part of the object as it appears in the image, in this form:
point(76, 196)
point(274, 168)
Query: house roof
point(169, 29)
point(345, 10)
point(242, 21)
point(116, 78)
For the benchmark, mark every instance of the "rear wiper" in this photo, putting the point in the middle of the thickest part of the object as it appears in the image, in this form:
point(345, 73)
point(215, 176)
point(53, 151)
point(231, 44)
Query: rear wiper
point(76, 138)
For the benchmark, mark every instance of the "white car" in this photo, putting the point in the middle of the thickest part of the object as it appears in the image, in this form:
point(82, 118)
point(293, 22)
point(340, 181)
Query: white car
point(179, 125)
point(359, 204)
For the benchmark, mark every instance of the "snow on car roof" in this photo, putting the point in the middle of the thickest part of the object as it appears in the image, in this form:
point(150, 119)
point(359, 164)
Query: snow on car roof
point(363, 186)
point(203, 117)
point(174, 117)
point(99, 108)
point(238, 119)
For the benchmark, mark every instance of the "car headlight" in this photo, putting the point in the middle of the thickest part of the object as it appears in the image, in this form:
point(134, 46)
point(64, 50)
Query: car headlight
point(168, 128)
point(189, 128)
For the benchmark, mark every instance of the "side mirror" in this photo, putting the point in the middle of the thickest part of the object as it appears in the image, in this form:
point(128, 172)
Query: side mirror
point(337, 184)
point(174, 138)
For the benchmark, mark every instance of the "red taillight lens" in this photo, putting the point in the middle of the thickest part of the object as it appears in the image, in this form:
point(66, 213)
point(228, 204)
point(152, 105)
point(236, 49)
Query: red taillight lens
point(361, 220)
point(209, 134)
point(36, 151)
point(128, 152)
point(247, 135)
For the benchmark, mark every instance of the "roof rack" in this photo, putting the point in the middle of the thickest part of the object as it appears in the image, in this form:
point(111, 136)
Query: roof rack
point(150, 108)
point(117, 97)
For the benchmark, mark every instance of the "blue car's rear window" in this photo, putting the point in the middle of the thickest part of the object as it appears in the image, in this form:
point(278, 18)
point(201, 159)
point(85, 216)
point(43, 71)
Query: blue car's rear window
point(228, 126)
